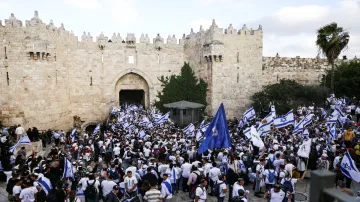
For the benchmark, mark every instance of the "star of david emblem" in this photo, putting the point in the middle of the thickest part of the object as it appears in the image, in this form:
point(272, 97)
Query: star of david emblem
point(214, 131)
point(283, 119)
point(346, 166)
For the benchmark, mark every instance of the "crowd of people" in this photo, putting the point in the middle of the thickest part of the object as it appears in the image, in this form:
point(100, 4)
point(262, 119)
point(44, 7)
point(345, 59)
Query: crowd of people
point(140, 155)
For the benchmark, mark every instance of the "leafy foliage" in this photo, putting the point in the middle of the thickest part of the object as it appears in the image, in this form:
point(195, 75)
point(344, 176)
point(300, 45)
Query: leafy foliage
point(288, 94)
point(331, 40)
point(346, 79)
point(185, 86)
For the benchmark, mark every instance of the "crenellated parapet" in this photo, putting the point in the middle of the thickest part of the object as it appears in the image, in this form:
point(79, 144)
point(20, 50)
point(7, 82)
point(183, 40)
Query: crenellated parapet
point(13, 22)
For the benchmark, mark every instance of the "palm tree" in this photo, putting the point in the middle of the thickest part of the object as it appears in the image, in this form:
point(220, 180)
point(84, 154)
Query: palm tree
point(331, 40)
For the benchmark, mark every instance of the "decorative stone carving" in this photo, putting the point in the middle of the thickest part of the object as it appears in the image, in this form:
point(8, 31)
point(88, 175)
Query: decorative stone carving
point(159, 42)
point(171, 40)
point(13, 22)
point(51, 26)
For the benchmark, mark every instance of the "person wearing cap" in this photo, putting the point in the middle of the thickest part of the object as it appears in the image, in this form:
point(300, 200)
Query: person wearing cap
point(276, 194)
point(112, 196)
point(166, 188)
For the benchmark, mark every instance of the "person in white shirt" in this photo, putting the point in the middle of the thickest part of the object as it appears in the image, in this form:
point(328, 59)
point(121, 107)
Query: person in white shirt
point(276, 194)
point(223, 188)
point(200, 192)
point(214, 175)
point(116, 150)
point(289, 167)
point(166, 188)
point(83, 181)
point(185, 169)
point(239, 185)
point(19, 131)
point(277, 162)
point(89, 182)
point(270, 177)
point(147, 151)
point(172, 177)
point(259, 176)
point(130, 182)
point(107, 186)
point(28, 194)
point(288, 178)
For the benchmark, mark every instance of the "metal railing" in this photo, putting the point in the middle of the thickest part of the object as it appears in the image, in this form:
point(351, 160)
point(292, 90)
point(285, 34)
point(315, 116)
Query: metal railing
point(322, 188)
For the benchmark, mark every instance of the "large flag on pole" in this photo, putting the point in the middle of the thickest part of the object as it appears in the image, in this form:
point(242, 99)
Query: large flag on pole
point(24, 140)
point(348, 168)
point(264, 129)
point(97, 129)
point(217, 134)
point(68, 170)
point(304, 149)
point(72, 135)
point(249, 115)
point(162, 119)
point(189, 129)
point(286, 120)
point(255, 138)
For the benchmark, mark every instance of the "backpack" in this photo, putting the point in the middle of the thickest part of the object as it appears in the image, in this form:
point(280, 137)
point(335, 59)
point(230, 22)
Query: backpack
point(271, 176)
point(90, 191)
point(287, 186)
point(216, 189)
point(192, 193)
point(198, 178)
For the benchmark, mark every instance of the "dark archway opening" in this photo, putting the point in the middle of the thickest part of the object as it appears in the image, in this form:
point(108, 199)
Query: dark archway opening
point(132, 97)
point(90, 128)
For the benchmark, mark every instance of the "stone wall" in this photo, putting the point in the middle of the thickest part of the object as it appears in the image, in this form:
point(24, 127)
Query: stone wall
point(52, 79)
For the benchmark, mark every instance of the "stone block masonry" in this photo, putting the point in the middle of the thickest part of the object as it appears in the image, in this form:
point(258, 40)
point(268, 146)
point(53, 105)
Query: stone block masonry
point(49, 77)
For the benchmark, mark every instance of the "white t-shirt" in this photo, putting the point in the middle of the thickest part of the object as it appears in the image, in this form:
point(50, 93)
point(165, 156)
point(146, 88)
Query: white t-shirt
point(116, 151)
point(277, 163)
point(107, 186)
point(165, 191)
point(201, 193)
point(260, 168)
point(214, 174)
point(147, 152)
point(266, 175)
point(289, 168)
point(222, 187)
point(16, 190)
point(130, 182)
point(28, 194)
point(276, 197)
point(83, 182)
point(186, 168)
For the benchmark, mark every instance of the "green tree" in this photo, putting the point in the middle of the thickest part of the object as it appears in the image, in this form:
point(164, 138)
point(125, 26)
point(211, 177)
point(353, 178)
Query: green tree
point(185, 86)
point(346, 79)
point(288, 94)
point(331, 40)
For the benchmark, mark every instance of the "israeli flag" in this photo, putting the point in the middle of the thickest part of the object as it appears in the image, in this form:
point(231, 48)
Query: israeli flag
point(332, 120)
point(149, 125)
point(286, 120)
point(332, 131)
point(80, 193)
point(162, 119)
point(348, 168)
point(339, 112)
point(97, 129)
point(157, 116)
point(241, 123)
point(204, 127)
point(68, 170)
point(247, 133)
point(202, 124)
point(269, 118)
point(308, 119)
point(323, 112)
point(189, 129)
point(24, 140)
point(141, 134)
point(249, 114)
point(72, 134)
point(264, 129)
point(306, 133)
point(45, 184)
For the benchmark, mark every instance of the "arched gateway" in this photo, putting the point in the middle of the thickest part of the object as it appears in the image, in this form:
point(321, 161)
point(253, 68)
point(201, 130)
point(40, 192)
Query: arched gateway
point(132, 88)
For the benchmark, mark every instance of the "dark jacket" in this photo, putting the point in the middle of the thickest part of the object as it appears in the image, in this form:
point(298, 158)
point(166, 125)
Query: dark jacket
point(111, 197)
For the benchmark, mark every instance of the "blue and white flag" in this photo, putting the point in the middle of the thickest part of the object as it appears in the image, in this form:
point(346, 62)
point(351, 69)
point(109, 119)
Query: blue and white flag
point(306, 133)
point(332, 120)
point(45, 184)
point(323, 112)
point(307, 120)
point(204, 127)
point(97, 129)
point(249, 114)
point(156, 116)
point(303, 123)
point(332, 132)
point(162, 119)
point(24, 140)
point(247, 133)
point(68, 170)
point(217, 135)
point(141, 134)
point(241, 123)
point(189, 129)
point(339, 112)
point(72, 134)
point(348, 168)
point(202, 124)
point(264, 129)
point(286, 120)
point(255, 138)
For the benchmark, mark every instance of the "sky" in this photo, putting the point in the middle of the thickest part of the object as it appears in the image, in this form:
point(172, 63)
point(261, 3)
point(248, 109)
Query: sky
point(289, 26)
